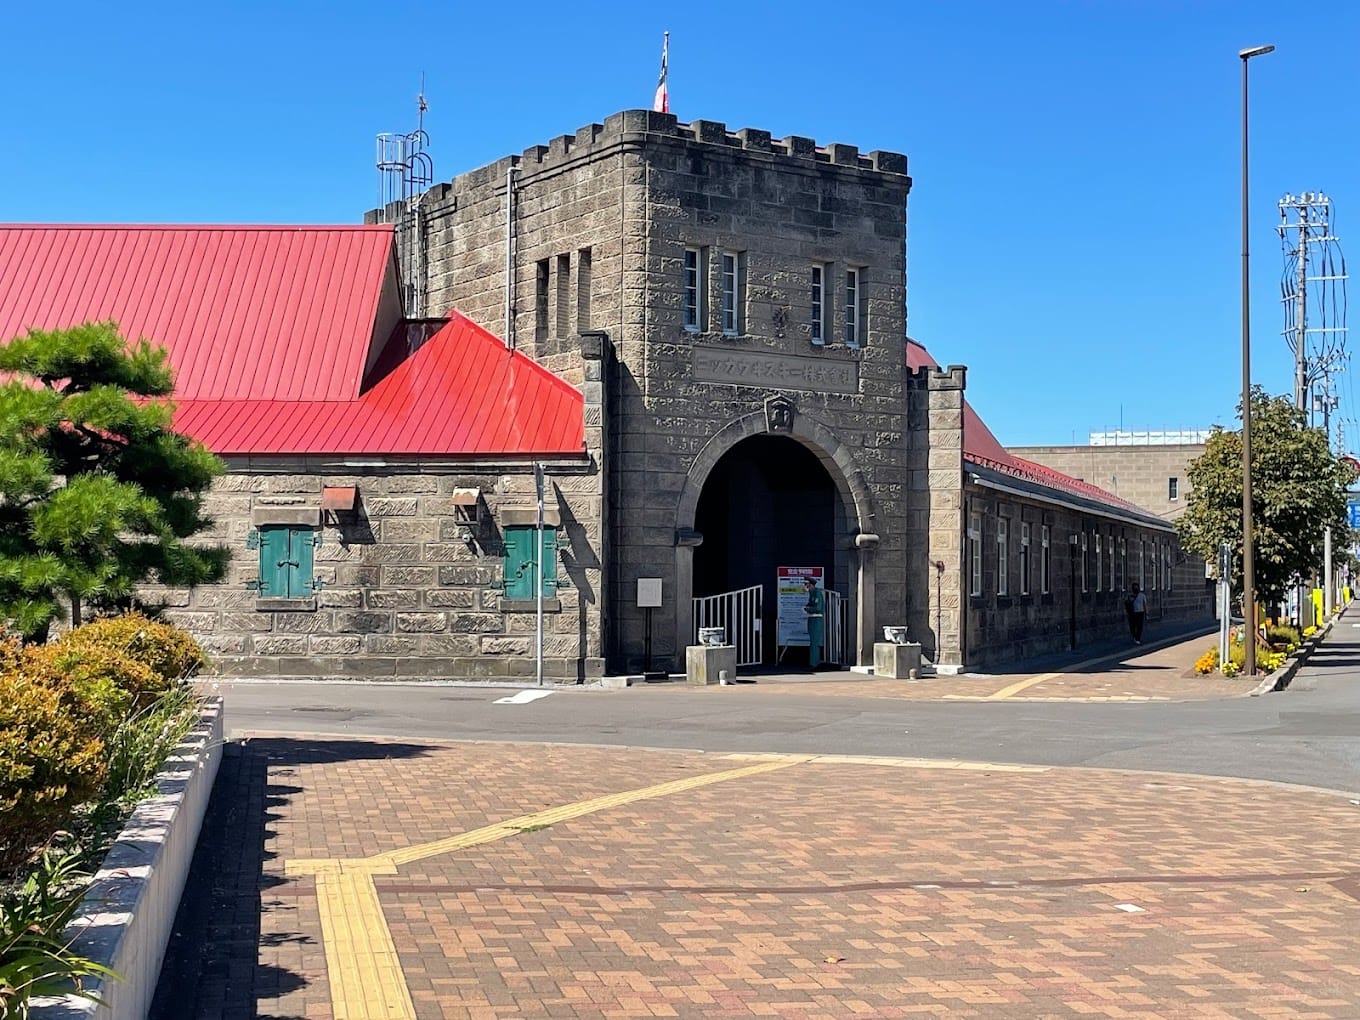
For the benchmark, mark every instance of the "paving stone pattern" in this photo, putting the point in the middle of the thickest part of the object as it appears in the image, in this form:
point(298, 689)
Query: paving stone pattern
point(821, 890)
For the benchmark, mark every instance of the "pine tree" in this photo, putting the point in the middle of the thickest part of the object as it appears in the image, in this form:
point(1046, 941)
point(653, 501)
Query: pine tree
point(97, 492)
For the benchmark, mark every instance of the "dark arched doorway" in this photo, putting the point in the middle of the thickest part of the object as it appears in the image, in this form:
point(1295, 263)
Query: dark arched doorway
point(769, 502)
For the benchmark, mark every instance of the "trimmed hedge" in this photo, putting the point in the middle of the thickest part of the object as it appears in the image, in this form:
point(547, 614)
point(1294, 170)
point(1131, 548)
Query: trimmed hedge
point(51, 762)
point(60, 705)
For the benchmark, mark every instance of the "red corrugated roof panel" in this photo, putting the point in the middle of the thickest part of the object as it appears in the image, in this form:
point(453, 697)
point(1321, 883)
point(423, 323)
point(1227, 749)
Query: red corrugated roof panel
point(283, 313)
point(462, 393)
point(983, 448)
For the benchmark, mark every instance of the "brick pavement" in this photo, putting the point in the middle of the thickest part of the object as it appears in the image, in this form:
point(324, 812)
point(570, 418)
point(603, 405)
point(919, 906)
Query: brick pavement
point(818, 888)
point(1149, 673)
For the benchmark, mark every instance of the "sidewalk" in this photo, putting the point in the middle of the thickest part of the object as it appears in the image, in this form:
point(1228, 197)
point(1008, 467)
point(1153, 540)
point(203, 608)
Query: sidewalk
point(1161, 669)
point(349, 880)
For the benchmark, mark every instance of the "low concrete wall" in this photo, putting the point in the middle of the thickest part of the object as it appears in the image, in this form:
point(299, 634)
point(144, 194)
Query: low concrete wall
point(128, 913)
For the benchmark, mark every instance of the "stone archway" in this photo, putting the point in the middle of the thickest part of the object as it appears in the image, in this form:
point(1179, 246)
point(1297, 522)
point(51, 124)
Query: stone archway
point(855, 537)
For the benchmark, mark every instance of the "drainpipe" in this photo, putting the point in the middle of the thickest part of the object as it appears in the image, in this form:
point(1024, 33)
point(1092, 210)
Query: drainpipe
point(510, 256)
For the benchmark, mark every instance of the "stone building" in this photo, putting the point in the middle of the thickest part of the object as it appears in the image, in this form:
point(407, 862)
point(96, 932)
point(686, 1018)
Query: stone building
point(701, 337)
point(1148, 468)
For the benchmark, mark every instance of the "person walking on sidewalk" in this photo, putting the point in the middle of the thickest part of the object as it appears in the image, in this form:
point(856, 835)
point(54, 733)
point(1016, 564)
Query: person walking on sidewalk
point(1136, 606)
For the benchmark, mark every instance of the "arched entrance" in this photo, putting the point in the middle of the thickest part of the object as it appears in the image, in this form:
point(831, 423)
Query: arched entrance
point(768, 502)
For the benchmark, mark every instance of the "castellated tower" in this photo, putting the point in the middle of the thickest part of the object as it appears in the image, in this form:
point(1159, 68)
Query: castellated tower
point(752, 292)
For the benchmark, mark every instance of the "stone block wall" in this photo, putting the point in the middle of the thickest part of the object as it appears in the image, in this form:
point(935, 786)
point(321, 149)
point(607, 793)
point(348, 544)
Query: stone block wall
point(1137, 473)
point(601, 221)
point(1017, 625)
point(408, 585)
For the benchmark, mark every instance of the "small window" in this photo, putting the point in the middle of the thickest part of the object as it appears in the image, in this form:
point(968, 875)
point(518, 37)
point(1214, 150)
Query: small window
point(1085, 564)
point(854, 296)
point(1044, 562)
point(1003, 558)
point(818, 320)
point(975, 554)
point(286, 561)
point(1173, 488)
point(1112, 584)
point(1170, 573)
point(541, 301)
point(519, 567)
point(1024, 557)
point(583, 290)
point(694, 314)
point(732, 324)
point(1142, 578)
point(562, 312)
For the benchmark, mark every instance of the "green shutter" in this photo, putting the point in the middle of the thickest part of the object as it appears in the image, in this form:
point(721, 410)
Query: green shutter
point(549, 561)
point(518, 568)
point(300, 543)
point(274, 562)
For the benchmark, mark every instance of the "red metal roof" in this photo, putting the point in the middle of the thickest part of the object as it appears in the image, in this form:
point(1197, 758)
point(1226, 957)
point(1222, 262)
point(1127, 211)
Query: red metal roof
point(247, 312)
point(269, 330)
point(461, 393)
point(983, 448)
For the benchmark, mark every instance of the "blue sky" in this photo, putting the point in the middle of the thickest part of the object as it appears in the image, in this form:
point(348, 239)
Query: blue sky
point(1074, 222)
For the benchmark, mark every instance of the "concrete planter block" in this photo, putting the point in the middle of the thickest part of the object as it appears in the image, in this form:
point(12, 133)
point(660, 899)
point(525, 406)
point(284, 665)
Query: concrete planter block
point(127, 915)
point(707, 664)
point(897, 662)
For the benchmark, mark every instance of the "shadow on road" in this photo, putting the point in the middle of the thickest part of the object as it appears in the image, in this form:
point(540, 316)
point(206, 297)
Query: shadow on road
point(211, 967)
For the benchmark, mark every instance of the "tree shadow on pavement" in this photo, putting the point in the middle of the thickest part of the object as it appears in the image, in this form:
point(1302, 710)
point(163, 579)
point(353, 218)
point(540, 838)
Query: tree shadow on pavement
point(211, 969)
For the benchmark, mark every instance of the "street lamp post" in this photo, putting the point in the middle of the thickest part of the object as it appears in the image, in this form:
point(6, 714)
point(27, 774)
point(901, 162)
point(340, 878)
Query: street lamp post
point(1248, 571)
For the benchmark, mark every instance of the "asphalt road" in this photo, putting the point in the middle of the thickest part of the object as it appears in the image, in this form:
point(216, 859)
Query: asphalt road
point(1308, 734)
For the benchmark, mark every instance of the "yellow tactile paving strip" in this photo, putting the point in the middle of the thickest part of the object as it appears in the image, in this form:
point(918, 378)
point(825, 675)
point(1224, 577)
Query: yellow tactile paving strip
point(361, 959)
point(849, 885)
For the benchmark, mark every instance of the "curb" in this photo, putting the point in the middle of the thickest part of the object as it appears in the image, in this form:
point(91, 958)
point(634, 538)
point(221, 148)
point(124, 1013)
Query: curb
point(1286, 677)
point(127, 914)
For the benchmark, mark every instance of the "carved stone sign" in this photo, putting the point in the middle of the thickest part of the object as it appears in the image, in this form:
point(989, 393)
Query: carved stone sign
point(775, 371)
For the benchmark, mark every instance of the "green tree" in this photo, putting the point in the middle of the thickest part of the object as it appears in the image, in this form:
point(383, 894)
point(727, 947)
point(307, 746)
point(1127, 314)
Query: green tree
point(97, 493)
point(1298, 490)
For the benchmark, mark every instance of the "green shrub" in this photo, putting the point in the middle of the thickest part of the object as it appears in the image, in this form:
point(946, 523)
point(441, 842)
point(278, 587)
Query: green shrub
point(165, 654)
point(51, 761)
point(35, 955)
point(1283, 634)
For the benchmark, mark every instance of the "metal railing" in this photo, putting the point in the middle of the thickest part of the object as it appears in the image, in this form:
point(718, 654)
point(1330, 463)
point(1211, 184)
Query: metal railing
point(837, 628)
point(739, 614)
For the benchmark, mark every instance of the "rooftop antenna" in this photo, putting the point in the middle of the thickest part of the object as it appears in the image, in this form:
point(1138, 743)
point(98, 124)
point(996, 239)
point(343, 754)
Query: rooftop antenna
point(405, 173)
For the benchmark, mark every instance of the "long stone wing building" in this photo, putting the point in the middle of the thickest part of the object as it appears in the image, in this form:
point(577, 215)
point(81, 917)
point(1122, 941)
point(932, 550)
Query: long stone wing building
point(692, 341)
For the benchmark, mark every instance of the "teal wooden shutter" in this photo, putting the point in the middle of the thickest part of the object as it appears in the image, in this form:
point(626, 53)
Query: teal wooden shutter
point(521, 555)
point(549, 561)
point(518, 568)
point(274, 562)
point(300, 543)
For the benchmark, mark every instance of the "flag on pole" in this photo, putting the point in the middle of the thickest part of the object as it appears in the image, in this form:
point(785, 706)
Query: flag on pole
point(662, 102)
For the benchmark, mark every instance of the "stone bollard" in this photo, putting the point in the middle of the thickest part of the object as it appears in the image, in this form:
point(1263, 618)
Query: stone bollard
point(897, 661)
point(707, 664)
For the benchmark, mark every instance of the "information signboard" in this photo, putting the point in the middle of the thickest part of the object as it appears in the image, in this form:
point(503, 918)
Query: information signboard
point(791, 599)
point(1353, 512)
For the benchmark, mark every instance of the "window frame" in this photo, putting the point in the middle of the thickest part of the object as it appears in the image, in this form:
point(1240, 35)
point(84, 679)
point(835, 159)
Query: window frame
point(1173, 488)
point(729, 308)
point(975, 553)
point(1085, 564)
point(1045, 563)
point(1024, 557)
point(1003, 557)
point(1100, 564)
point(854, 291)
point(817, 295)
point(692, 292)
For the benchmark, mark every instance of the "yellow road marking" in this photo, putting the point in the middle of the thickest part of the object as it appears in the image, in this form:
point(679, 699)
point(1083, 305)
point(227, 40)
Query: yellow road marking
point(362, 965)
point(899, 763)
point(1016, 688)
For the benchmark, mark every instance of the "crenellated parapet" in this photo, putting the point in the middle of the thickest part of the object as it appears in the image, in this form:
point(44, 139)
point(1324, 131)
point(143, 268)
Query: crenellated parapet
point(932, 377)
